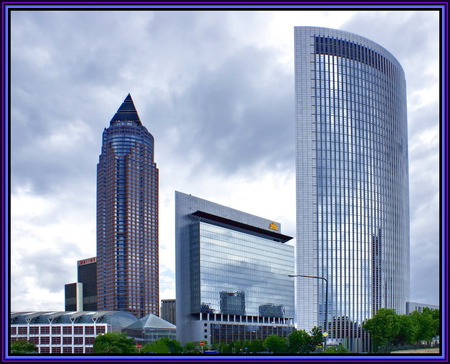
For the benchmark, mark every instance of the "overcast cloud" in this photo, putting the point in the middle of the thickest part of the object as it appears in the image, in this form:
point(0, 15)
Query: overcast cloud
point(216, 91)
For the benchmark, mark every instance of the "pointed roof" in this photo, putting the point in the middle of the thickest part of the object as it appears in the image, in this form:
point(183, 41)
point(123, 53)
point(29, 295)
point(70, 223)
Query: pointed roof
point(126, 112)
point(154, 322)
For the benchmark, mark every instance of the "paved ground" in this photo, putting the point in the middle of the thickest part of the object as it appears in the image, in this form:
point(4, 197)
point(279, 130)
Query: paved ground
point(418, 351)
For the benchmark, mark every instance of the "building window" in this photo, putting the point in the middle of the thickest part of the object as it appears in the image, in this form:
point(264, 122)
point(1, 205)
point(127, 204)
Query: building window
point(23, 330)
point(78, 340)
point(89, 340)
point(56, 350)
point(89, 330)
point(67, 330)
point(78, 330)
point(56, 330)
point(78, 350)
point(34, 330)
point(45, 330)
point(67, 340)
point(100, 330)
point(45, 340)
point(56, 340)
point(67, 350)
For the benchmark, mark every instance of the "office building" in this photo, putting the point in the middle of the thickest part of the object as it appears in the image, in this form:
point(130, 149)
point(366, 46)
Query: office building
point(82, 295)
point(168, 310)
point(73, 296)
point(230, 268)
point(352, 181)
point(416, 306)
point(127, 217)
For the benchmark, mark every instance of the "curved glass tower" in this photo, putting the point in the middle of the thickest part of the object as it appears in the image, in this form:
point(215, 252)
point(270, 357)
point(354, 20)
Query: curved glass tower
point(127, 217)
point(352, 182)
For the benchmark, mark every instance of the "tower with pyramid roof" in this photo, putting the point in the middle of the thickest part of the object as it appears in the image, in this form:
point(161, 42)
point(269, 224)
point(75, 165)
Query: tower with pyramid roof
point(127, 217)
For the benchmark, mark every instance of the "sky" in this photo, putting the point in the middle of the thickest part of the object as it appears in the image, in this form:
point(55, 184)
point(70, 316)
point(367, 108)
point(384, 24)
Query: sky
point(216, 90)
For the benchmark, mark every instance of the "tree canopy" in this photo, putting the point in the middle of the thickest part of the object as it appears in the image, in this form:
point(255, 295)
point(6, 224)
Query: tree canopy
point(163, 346)
point(383, 327)
point(114, 343)
point(387, 328)
point(22, 347)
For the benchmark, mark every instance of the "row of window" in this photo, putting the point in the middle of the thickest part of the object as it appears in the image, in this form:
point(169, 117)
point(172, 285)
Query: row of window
point(353, 51)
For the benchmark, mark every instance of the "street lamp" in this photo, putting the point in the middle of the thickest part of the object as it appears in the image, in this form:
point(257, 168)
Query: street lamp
point(325, 334)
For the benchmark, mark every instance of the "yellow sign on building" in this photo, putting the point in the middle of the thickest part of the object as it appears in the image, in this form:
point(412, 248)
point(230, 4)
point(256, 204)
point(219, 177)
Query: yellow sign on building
point(273, 226)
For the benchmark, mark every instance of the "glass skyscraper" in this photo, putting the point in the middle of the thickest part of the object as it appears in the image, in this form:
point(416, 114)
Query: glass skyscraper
point(352, 181)
point(231, 274)
point(127, 217)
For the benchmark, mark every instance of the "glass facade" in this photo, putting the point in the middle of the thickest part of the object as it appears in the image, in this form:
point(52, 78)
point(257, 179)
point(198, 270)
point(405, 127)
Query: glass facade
point(239, 274)
point(352, 180)
point(232, 271)
point(127, 217)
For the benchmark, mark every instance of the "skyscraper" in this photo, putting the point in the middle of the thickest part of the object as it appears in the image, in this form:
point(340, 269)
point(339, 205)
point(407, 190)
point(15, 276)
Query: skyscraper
point(127, 217)
point(230, 267)
point(352, 181)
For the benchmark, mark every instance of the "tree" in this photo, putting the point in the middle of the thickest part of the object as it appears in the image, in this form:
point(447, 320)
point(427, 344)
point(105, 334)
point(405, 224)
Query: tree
point(224, 348)
point(114, 342)
point(428, 325)
point(408, 330)
point(22, 347)
point(316, 337)
point(299, 342)
point(275, 344)
point(157, 347)
point(174, 345)
point(383, 327)
point(191, 347)
point(256, 346)
point(338, 349)
point(163, 345)
point(302, 342)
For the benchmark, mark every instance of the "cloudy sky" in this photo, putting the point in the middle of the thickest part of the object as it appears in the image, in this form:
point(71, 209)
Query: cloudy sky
point(216, 90)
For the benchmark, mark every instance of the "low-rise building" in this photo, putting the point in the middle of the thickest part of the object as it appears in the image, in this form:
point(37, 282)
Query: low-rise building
point(74, 332)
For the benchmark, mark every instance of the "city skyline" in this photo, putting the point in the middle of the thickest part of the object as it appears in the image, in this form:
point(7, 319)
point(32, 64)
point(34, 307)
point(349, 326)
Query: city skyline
point(206, 114)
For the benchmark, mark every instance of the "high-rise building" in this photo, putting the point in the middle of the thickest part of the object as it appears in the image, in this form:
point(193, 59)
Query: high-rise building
point(230, 267)
point(127, 217)
point(352, 181)
point(82, 295)
point(168, 310)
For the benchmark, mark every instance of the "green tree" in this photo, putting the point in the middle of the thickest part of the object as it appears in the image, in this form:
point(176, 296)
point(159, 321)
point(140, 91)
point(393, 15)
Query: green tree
point(408, 330)
point(256, 346)
point(383, 327)
point(22, 347)
point(174, 345)
point(224, 348)
point(275, 344)
point(299, 341)
point(158, 347)
point(191, 347)
point(316, 337)
point(428, 325)
point(114, 342)
point(337, 349)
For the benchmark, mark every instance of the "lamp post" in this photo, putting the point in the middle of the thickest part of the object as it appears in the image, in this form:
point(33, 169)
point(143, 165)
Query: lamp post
point(325, 334)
